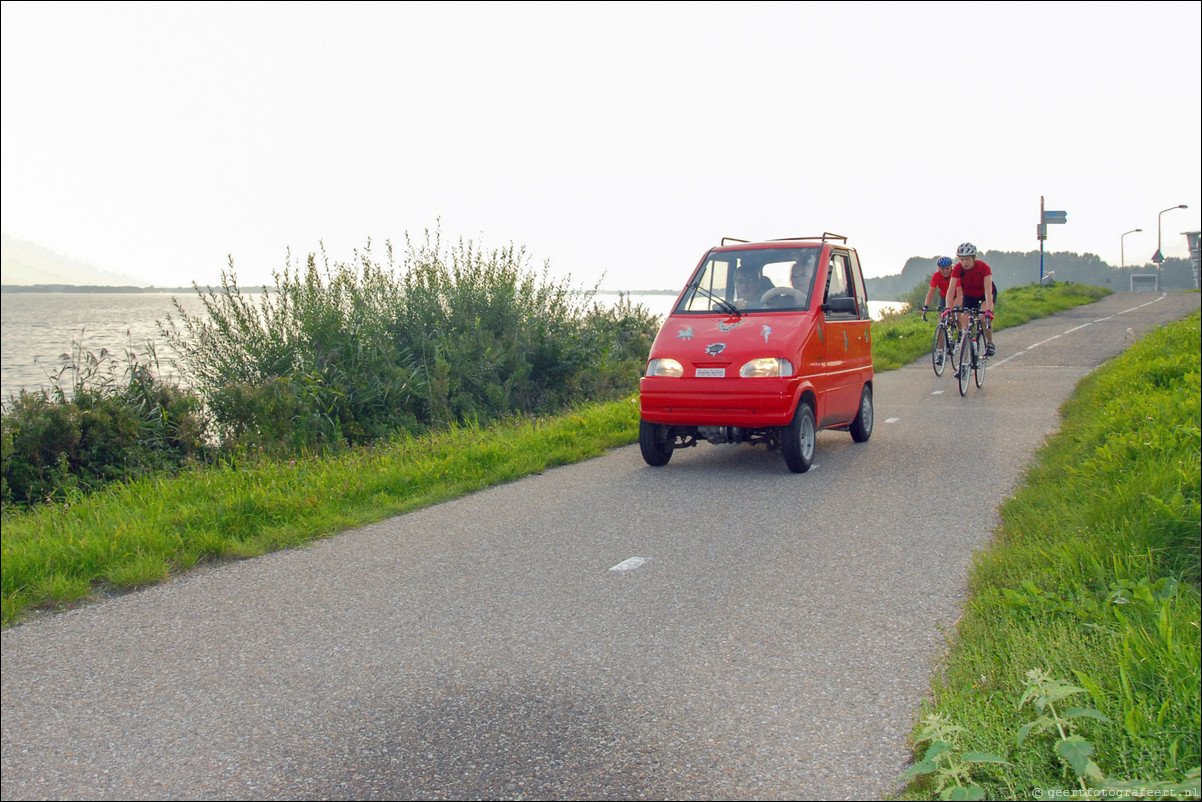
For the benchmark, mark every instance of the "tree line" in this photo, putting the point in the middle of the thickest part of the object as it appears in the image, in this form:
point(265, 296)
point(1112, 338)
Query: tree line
point(1014, 268)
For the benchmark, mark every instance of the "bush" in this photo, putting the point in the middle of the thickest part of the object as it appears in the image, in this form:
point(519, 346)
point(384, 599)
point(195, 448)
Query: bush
point(343, 354)
point(97, 424)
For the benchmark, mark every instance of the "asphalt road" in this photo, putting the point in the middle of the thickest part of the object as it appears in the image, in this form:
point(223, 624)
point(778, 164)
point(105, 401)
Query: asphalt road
point(715, 629)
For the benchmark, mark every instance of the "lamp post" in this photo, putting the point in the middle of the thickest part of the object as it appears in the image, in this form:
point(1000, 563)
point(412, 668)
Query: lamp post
point(1159, 252)
point(1122, 249)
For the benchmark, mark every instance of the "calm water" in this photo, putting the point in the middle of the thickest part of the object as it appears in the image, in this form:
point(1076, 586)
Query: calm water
point(36, 328)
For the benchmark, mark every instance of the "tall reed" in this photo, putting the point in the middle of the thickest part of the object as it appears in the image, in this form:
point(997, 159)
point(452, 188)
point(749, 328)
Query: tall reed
point(345, 353)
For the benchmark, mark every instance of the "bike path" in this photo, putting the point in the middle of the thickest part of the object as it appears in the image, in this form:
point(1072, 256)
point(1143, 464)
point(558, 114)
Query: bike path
point(715, 629)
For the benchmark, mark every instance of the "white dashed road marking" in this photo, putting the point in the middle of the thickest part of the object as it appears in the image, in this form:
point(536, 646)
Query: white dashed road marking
point(1074, 328)
point(629, 565)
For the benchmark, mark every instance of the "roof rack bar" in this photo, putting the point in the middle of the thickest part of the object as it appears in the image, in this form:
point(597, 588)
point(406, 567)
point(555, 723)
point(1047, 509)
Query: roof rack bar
point(825, 236)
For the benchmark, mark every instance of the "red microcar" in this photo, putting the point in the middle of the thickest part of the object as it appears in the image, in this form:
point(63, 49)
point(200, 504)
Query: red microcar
point(768, 342)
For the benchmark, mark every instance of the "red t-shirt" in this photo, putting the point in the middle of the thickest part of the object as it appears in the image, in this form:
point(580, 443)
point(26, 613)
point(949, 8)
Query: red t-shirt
point(972, 281)
point(942, 283)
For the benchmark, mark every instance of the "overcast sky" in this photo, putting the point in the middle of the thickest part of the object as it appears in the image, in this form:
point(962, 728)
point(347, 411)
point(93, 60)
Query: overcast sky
point(616, 141)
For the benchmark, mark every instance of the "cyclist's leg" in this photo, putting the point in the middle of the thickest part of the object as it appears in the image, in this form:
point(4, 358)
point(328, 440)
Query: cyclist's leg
point(989, 320)
point(971, 302)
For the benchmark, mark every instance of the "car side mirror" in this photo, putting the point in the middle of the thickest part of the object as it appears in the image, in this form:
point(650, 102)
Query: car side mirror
point(842, 305)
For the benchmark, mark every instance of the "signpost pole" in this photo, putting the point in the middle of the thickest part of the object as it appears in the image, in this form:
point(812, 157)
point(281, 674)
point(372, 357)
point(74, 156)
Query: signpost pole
point(1046, 218)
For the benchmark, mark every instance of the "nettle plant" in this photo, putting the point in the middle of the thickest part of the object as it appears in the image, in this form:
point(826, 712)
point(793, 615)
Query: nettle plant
point(952, 768)
point(1048, 696)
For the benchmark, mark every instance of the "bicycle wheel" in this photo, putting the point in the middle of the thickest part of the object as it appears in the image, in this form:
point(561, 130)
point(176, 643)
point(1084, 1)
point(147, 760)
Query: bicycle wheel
point(978, 370)
point(939, 349)
point(964, 362)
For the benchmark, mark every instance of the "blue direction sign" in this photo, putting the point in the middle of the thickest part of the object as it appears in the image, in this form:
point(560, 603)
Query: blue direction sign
point(1055, 217)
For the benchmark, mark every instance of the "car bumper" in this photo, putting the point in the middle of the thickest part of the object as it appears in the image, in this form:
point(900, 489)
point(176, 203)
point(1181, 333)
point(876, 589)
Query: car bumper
point(746, 403)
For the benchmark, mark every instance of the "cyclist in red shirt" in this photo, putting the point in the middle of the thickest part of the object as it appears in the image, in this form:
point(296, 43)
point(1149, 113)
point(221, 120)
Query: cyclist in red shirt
point(941, 279)
point(974, 279)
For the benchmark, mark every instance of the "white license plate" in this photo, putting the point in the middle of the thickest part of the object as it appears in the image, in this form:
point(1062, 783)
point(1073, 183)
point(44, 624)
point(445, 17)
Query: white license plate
point(711, 373)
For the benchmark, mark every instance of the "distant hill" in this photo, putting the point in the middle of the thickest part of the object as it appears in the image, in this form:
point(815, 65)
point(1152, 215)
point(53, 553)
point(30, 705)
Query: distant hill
point(23, 262)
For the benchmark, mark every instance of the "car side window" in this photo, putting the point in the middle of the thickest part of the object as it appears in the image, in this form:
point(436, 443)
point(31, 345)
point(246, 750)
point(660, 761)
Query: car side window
point(840, 302)
point(858, 283)
point(837, 286)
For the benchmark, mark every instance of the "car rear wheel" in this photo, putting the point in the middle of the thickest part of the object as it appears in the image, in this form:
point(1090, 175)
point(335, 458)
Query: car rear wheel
point(799, 439)
point(655, 441)
point(861, 427)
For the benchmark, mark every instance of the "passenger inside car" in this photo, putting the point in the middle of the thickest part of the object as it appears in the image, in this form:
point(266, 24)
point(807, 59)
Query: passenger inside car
point(750, 286)
point(802, 276)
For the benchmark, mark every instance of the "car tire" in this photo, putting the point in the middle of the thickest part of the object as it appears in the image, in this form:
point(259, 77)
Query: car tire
point(655, 441)
point(799, 439)
point(861, 427)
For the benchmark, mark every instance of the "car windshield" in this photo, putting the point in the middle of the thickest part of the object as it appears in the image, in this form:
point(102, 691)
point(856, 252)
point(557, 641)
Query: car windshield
point(752, 280)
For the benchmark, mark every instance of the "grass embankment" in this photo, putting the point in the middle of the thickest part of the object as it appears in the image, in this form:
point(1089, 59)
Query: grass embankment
point(903, 337)
point(142, 532)
point(139, 533)
point(1077, 659)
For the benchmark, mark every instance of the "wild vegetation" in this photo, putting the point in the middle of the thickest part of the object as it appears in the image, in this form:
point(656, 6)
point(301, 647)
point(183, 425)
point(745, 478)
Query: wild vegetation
point(337, 355)
point(107, 418)
point(350, 352)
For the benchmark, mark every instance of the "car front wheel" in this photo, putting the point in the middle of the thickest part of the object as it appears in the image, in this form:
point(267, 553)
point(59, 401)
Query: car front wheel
point(655, 441)
point(861, 427)
point(799, 439)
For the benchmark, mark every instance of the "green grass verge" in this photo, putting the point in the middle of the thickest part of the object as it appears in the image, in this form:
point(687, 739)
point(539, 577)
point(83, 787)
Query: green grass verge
point(903, 337)
point(140, 533)
point(1092, 582)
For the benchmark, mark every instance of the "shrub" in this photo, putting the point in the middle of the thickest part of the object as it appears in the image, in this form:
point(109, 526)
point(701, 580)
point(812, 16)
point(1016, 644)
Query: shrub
point(346, 353)
point(99, 423)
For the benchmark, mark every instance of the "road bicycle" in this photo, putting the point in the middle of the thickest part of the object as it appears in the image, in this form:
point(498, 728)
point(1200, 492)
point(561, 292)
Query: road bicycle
point(943, 344)
point(971, 350)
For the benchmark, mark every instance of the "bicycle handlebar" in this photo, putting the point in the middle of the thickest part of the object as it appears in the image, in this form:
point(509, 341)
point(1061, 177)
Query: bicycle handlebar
point(972, 312)
point(946, 313)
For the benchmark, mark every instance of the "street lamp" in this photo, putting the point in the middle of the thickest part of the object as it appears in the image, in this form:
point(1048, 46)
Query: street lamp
point(1159, 252)
point(1122, 249)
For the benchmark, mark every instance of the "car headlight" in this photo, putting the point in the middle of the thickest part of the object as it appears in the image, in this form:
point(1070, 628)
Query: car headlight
point(766, 367)
point(665, 367)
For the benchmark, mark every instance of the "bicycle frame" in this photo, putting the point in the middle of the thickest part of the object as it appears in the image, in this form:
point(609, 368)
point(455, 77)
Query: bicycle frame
point(971, 353)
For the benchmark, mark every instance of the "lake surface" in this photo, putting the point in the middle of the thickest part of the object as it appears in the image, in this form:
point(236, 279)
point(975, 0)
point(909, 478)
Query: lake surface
point(37, 328)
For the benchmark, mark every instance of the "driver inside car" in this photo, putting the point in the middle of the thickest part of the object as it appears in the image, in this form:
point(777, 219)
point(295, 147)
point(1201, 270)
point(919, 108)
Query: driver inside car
point(802, 276)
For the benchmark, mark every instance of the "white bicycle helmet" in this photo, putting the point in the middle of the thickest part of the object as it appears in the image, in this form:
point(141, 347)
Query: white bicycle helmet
point(966, 249)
